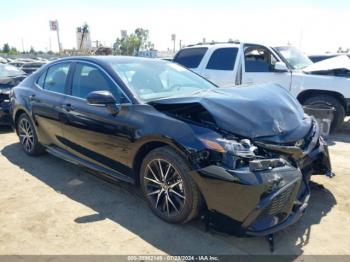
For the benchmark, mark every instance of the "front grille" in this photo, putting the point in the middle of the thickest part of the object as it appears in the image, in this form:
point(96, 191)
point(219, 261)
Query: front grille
point(280, 201)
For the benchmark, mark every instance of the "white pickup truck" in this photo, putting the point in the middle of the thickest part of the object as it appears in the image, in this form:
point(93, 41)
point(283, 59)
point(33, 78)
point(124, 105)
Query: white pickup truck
point(326, 83)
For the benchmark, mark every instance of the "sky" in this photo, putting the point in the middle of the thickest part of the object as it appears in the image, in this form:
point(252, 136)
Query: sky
point(313, 26)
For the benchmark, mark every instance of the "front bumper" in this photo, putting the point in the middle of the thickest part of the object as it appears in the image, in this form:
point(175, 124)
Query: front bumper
point(246, 203)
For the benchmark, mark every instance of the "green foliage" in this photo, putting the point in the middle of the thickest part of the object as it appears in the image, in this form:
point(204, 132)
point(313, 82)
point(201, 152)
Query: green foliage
point(32, 51)
point(6, 48)
point(9, 50)
point(133, 43)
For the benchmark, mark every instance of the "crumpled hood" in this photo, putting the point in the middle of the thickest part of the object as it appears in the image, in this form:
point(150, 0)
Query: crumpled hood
point(9, 82)
point(338, 62)
point(254, 111)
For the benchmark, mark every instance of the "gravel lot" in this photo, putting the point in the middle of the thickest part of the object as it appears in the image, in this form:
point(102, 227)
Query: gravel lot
point(49, 206)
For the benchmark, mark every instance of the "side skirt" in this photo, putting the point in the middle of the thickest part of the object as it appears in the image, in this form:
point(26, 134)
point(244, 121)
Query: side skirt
point(109, 174)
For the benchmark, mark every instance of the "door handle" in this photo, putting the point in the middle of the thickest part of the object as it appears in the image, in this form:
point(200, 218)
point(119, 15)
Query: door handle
point(67, 107)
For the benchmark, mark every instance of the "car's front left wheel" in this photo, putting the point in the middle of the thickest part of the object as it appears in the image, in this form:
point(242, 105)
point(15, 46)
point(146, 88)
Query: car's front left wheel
point(168, 187)
point(28, 137)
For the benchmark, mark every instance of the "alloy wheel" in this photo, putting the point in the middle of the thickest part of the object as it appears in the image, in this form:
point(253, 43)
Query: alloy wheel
point(26, 134)
point(164, 187)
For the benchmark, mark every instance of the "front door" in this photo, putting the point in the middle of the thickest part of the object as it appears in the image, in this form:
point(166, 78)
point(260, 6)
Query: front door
point(258, 67)
point(92, 132)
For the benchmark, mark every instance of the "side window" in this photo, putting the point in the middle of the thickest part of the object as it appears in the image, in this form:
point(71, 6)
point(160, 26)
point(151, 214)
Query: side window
point(190, 57)
point(223, 59)
point(56, 77)
point(41, 80)
point(258, 59)
point(88, 78)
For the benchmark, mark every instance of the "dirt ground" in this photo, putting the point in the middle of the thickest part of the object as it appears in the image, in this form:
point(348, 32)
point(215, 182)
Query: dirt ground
point(49, 206)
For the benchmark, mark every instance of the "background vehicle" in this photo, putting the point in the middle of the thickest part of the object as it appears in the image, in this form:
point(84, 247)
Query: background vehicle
point(321, 57)
point(230, 64)
point(187, 143)
point(10, 76)
point(28, 65)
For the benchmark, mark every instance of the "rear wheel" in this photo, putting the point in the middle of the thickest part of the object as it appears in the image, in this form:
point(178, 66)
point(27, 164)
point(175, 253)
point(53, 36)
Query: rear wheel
point(168, 187)
point(28, 137)
point(326, 101)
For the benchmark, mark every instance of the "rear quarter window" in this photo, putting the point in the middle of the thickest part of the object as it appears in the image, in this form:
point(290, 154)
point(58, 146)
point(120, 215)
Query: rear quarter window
point(190, 57)
point(223, 59)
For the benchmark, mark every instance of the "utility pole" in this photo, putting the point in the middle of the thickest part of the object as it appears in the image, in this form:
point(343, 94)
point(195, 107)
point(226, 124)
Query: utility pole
point(173, 38)
point(58, 39)
point(54, 27)
point(22, 45)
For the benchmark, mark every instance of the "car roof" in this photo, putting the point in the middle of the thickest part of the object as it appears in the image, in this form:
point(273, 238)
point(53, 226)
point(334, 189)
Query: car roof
point(211, 45)
point(109, 58)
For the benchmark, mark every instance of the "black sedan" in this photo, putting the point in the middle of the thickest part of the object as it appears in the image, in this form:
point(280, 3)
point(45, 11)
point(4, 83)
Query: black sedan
point(10, 76)
point(240, 156)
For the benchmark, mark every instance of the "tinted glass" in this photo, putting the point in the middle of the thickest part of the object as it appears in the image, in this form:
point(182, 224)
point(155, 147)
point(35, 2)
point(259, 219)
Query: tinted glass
point(259, 59)
point(56, 77)
point(223, 59)
point(41, 80)
point(88, 78)
point(190, 57)
point(155, 79)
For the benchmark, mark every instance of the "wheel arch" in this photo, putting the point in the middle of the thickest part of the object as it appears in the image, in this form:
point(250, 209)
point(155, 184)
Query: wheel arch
point(313, 92)
point(146, 147)
point(16, 116)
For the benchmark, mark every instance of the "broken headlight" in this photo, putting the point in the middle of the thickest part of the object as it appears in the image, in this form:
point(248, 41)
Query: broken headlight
point(234, 153)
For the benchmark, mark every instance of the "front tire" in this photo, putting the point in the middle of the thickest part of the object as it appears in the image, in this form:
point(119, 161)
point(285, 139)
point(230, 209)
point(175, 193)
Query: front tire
point(329, 101)
point(168, 187)
point(28, 137)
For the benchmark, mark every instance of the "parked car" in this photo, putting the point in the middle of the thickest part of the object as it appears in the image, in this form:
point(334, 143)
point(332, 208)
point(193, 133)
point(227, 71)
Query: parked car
point(28, 66)
point(242, 157)
point(10, 76)
point(230, 64)
point(321, 57)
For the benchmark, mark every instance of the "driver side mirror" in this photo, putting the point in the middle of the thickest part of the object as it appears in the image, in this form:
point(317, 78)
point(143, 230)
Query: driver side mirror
point(103, 98)
point(280, 67)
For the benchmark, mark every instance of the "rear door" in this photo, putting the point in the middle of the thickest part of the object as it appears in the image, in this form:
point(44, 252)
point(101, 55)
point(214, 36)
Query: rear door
point(258, 67)
point(220, 68)
point(47, 100)
point(191, 58)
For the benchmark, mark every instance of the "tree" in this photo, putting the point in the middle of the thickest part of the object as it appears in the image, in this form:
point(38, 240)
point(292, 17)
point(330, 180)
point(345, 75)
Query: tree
point(13, 51)
point(6, 48)
point(133, 43)
point(32, 51)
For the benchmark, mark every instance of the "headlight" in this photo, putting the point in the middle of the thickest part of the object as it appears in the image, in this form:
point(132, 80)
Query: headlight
point(5, 91)
point(243, 148)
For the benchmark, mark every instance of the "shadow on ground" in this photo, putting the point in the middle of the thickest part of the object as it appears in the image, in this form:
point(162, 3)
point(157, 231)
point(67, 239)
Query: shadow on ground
point(341, 135)
point(122, 204)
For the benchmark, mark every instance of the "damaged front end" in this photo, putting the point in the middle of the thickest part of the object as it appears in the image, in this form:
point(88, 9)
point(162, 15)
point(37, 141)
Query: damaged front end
point(262, 187)
point(255, 181)
point(4, 106)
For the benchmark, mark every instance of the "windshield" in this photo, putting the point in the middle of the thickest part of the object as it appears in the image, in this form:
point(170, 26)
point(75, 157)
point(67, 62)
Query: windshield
point(9, 71)
point(152, 80)
point(294, 57)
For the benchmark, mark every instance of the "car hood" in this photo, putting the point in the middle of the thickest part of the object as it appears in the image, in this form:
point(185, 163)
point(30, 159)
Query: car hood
point(339, 62)
point(9, 82)
point(267, 112)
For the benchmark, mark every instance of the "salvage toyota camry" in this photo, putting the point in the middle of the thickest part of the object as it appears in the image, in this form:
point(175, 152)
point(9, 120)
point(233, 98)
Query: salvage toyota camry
point(242, 157)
